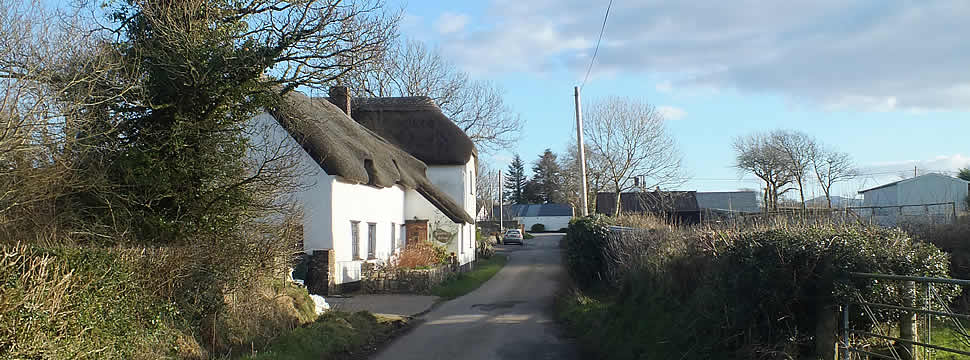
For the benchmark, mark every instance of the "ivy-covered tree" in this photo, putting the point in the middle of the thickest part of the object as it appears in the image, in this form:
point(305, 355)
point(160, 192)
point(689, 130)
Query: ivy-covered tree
point(175, 153)
point(515, 181)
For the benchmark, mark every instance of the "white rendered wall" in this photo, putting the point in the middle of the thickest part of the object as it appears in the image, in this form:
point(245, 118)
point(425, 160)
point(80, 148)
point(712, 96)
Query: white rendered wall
point(330, 204)
point(316, 185)
point(365, 204)
point(458, 181)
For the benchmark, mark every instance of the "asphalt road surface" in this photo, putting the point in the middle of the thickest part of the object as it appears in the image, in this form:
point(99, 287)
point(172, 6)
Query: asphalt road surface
point(508, 317)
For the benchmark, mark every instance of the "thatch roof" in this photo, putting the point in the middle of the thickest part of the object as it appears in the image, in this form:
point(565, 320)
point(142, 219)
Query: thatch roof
point(416, 125)
point(344, 148)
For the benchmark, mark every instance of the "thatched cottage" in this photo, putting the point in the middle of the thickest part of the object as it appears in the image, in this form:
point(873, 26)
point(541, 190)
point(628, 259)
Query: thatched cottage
point(389, 171)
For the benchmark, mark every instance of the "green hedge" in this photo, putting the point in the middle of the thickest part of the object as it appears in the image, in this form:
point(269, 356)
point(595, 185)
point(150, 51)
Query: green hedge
point(586, 239)
point(699, 295)
point(538, 228)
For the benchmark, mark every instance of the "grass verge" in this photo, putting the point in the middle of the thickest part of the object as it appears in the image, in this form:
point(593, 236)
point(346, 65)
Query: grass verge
point(334, 335)
point(466, 282)
point(528, 236)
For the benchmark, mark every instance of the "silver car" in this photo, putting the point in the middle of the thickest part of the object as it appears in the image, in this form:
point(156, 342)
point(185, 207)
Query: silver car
point(513, 236)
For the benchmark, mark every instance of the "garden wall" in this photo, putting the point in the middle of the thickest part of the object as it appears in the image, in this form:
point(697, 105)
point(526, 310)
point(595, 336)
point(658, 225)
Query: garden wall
point(377, 279)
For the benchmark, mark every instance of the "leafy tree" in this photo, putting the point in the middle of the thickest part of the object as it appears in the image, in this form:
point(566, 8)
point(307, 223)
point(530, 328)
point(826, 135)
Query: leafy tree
point(964, 174)
point(532, 192)
point(515, 181)
point(548, 177)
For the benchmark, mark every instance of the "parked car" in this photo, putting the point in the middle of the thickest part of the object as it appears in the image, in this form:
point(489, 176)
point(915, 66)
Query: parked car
point(513, 236)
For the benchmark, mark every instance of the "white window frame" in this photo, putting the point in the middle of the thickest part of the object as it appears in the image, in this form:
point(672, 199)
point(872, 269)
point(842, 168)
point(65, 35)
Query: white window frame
point(371, 241)
point(393, 238)
point(355, 239)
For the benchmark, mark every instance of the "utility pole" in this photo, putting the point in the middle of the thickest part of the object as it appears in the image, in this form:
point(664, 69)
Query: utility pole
point(582, 152)
point(914, 170)
point(501, 225)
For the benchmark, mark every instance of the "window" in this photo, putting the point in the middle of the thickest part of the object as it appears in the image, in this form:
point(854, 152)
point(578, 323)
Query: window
point(371, 240)
point(393, 239)
point(404, 239)
point(355, 239)
point(471, 185)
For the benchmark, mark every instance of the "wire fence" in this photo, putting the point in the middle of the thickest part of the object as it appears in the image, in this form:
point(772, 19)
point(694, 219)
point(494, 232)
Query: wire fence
point(923, 313)
point(886, 216)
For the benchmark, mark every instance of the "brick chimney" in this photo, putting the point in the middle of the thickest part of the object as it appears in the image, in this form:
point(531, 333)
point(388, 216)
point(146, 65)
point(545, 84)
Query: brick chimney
point(340, 96)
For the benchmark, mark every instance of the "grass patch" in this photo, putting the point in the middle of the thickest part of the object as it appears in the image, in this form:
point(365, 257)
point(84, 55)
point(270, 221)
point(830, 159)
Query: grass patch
point(528, 236)
point(946, 334)
point(334, 335)
point(466, 282)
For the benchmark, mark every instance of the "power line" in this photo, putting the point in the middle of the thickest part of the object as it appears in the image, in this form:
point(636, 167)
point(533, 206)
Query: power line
point(597, 49)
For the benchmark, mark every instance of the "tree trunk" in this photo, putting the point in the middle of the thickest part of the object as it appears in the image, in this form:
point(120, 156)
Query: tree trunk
point(801, 193)
point(616, 210)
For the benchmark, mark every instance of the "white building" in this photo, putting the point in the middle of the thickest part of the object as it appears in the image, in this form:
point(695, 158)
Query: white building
point(552, 216)
point(363, 196)
point(930, 195)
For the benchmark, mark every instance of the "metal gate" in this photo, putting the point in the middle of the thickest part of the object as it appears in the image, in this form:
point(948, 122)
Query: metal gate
point(921, 307)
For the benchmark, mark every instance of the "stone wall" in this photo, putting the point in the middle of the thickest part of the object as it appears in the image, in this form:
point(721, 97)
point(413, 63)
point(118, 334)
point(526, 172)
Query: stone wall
point(320, 271)
point(376, 279)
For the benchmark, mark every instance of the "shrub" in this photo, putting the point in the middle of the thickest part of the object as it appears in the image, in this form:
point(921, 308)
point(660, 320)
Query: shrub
point(421, 254)
point(538, 228)
point(585, 240)
point(955, 240)
point(484, 246)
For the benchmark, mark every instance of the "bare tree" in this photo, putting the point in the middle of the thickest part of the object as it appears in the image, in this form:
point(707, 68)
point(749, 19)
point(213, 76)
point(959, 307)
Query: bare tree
point(51, 76)
point(411, 69)
point(830, 166)
point(630, 138)
point(796, 147)
point(757, 154)
point(486, 187)
point(572, 186)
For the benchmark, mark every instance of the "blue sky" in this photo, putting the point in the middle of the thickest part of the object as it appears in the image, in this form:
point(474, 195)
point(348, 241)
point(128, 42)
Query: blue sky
point(886, 81)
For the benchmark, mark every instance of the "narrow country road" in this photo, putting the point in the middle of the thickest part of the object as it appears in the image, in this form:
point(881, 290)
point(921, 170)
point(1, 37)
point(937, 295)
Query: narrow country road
point(508, 317)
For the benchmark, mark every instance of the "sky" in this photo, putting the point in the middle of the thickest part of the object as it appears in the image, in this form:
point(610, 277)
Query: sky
point(886, 81)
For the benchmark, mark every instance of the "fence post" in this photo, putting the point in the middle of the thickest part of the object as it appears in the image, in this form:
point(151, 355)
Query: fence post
point(907, 321)
point(844, 350)
point(954, 205)
point(826, 331)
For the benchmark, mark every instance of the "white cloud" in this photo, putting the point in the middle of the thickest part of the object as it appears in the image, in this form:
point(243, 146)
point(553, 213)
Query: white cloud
point(948, 164)
point(450, 22)
point(664, 87)
point(857, 55)
point(672, 113)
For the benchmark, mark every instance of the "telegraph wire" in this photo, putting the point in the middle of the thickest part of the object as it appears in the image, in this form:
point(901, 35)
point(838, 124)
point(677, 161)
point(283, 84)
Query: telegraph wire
point(597, 49)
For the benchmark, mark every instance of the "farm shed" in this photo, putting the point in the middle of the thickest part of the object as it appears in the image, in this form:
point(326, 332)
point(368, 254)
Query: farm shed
point(731, 201)
point(926, 196)
point(676, 206)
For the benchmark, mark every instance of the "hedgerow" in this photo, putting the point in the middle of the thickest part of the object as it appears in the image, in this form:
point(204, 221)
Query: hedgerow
point(709, 293)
